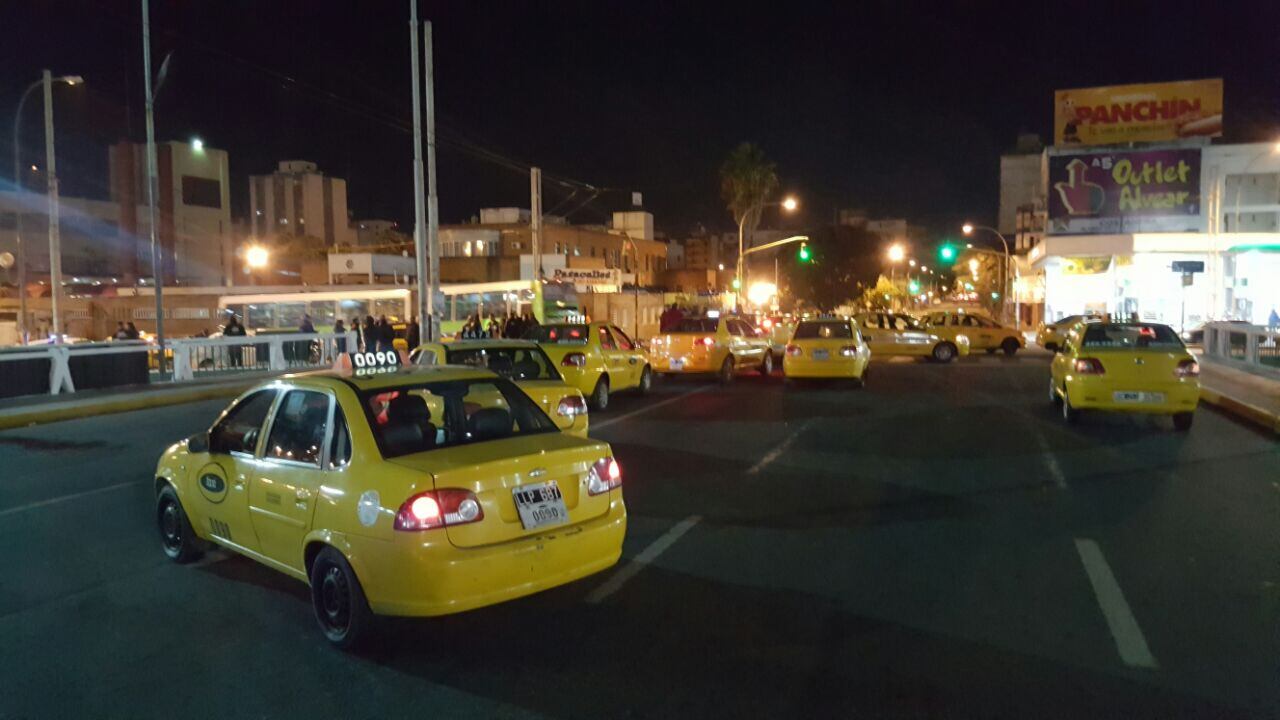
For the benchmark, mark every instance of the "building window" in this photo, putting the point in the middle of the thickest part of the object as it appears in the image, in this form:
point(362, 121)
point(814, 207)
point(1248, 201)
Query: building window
point(201, 192)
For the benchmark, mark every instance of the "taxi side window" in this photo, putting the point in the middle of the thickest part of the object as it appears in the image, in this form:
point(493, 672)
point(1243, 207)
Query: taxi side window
point(624, 342)
point(299, 428)
point(239, 430)
point(606, 339)
point(871, 322)
point(900, 323)
point(340, 447)
point(732, 327)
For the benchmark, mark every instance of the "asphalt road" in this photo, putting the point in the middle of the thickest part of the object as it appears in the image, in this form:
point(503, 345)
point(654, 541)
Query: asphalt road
point(937, 544)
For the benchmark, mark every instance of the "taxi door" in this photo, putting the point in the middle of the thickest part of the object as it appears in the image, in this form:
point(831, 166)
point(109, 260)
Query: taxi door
point(633, 355)
point(221, 500)
point(978, 332)
point(615, 360)
point(286, 482)
point(877, 336)
point(744, 353)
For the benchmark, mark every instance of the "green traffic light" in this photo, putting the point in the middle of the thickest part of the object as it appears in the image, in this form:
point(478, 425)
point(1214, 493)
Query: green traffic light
point(914, 287)
point(804, 253)
point(736, 284)
point(947, 252)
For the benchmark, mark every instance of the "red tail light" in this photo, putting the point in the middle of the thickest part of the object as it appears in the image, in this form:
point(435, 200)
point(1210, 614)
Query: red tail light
point(572, 406)
point(604, 476)
point(1187, 368)
point(794, 350)
point(438, 508)
point(849, 351)
point(574, 360)
point(1089, 366)
point(708, 341)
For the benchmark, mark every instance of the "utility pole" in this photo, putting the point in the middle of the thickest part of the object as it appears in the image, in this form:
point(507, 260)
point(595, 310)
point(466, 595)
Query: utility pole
point(153, 189)
point(419, 206)
point(535, 219)
point(55, 241)
point(433, 201)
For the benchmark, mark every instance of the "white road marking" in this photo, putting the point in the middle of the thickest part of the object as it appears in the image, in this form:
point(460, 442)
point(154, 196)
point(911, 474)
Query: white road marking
point(64, 498)
point(1051, 461)
point(646, 556)
point(600, 426)
point(1124, 626)
point(777, 452)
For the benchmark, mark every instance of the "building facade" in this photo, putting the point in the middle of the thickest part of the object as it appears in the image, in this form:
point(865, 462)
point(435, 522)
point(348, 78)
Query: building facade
point(297, 199)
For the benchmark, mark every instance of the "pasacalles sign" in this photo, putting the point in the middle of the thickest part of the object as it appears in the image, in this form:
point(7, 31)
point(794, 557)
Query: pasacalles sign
point(1138, 191)
point(588, 276)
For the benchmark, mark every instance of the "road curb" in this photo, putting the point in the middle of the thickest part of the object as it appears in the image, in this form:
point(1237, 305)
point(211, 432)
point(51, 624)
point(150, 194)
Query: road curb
point(1243, 410)
point(139, 401)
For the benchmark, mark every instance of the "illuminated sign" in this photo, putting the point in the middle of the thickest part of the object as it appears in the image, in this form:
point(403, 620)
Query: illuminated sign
point(1155, 112)
point(1124, 192)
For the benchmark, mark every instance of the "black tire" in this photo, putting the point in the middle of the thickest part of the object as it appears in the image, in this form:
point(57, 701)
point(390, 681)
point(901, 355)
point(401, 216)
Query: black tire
point(766, 365)
point(338, 600)
point(1054, 397)
point(599, 399)
point(1010, 346)
point(944, 352)
point(1070, 415)
point(1051, 347)
point(1182, 421)
point(646, 380)
point(177, 538)
point(725, 376)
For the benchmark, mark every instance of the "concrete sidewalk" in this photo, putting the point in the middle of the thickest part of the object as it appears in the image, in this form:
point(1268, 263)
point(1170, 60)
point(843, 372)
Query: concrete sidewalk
point(1251, 397)
point(39, 409)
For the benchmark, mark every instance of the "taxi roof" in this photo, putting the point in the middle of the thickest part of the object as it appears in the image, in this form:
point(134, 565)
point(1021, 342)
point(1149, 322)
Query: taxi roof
point(482, 343)
point(405, 375)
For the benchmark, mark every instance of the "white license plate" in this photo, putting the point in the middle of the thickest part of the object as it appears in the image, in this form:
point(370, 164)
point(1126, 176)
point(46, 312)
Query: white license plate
point(677, 363)
point(540, 505)
point(1124, 396)
point(821, 354)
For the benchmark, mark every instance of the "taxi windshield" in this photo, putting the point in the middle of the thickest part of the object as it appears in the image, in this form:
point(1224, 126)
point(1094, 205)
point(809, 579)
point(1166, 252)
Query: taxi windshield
point(414, 418)
point(1130, 337)
point(560, 334)
point(510, 362)
point(696, 325)
point(810, 330)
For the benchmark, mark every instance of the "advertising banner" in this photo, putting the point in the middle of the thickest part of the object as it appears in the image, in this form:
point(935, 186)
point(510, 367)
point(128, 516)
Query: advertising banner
point(1124, 192)
point(588, 276)
point(1155, 112)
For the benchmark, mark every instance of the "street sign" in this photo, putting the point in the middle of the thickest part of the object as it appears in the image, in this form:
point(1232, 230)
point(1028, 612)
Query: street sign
point(1188, 266)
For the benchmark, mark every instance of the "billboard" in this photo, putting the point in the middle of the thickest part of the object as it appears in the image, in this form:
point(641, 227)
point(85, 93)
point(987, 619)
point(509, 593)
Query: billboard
point(588, 276)
point(1124, 192)
point(1155, 112)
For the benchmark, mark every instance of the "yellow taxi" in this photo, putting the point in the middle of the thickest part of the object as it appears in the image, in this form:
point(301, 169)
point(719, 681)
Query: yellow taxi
point(1125, 367)
point(778, 329)
point(522, 362)
point(895, 334)
point(596, 358)
point(712, 344)
point(417, 491)
point(826, 348)
point(1050, 335)
point(983, 333)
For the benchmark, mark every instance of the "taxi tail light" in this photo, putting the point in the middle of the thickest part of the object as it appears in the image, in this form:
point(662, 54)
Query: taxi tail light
point(1089, 366)
point(849, 351)
point(438, 508)
point(604, 475)
point(1187, 368)
point(574, 360)
point(794, 350)
point(708, 341)
point(572, 406)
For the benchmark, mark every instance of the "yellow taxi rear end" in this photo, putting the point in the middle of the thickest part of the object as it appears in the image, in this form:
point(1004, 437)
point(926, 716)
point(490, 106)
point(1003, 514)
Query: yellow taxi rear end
point(692, 349)
point(825, 349)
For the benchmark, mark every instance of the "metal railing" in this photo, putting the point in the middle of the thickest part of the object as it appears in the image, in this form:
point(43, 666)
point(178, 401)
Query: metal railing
point(206, 357)
point(1249, 346)
point(19, 365)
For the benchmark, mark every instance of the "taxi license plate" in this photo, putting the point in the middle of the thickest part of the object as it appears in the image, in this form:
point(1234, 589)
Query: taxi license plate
point(540, 505)
point(1123, 396)
point(821, 354)
point(677, 363)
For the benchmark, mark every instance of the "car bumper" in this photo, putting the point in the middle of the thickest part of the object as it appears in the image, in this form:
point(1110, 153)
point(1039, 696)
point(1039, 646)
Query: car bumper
point(704, 364)
point(411, 577)
point(834, 368)
point(1086, 395)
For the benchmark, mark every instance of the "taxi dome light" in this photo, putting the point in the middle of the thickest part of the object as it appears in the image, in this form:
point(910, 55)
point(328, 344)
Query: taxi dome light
point(604, 475)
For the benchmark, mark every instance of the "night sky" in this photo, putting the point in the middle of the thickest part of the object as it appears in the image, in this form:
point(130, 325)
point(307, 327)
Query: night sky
point(899, 107)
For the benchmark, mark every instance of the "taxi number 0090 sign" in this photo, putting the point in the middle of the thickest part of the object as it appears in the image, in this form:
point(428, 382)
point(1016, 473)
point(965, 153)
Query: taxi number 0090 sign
point(540, 505)
point(375, 362)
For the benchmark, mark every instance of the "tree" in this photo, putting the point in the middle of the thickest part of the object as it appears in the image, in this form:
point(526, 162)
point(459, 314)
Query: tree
point(844, 260)
point(746, 180)
point(882, 295)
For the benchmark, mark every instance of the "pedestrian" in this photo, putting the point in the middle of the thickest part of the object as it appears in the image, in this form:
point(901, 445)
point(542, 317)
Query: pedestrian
point(529, 323)
point(307, 326)
point(386, 335)
point(370, 339)
point(671, 317)
point(495, 327)
point(511, 328)
point(341, 331)
point(355, 328)
point(235, 352)
point(1273, 322)
point(132, 331)
point(121, 333)
point(413, 334)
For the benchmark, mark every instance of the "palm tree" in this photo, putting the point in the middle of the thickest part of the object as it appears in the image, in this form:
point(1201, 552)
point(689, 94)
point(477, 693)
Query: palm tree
point(746, 179)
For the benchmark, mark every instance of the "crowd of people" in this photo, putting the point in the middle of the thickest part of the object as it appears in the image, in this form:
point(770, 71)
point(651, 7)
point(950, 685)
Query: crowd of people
point(510, 325)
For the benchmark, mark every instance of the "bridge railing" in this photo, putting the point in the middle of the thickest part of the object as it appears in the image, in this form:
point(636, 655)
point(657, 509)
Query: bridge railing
point(1250, 347)
point(193, 358)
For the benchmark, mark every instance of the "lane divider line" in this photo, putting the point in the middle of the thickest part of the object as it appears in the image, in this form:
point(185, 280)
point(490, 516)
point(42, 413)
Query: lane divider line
point(777, 452)
point(646, 556)
point(600, 426)
point(1051, 461)
point(64, 498)
point(1124, 626)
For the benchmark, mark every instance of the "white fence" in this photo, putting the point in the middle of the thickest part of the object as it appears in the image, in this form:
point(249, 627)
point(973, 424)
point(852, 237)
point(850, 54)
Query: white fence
point(1250, 346)
point(60, 356)
point(196, 357)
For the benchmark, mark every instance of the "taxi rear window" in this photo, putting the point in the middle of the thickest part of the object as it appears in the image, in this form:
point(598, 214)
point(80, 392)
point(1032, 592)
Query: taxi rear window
point(560, 334)
point(696, 325)
point(823, 330)
point(511, 363)
point(416, 418)
point(1130, 337)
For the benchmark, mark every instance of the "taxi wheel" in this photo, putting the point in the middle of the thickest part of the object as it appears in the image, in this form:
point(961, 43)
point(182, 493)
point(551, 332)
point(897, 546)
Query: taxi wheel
point(1182, 421)
point(176, 535)
point(600, 396)
point(1070, 415)
point(944, 352)
point(339, 602)
point(766, 367)
point(646, 380)
point(725, 376)
point(1009, 346)
point(1054, 397)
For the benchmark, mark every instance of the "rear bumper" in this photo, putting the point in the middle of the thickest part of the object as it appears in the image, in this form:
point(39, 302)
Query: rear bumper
point(692, 364)
point(1092, 395)
point(414, 578)
point(841, 368)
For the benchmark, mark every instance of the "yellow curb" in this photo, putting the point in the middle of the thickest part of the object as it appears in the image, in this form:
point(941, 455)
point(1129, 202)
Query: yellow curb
point(1245, 411)
point(140, 401)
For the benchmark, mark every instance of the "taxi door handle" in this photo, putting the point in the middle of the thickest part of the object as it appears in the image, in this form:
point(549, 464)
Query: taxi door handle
point(239, 483)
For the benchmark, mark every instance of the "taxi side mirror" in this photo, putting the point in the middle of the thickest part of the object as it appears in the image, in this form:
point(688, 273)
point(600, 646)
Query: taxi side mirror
point(198, 443)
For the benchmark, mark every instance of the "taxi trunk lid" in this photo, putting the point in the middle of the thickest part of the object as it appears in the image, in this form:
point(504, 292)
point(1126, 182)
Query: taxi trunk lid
point(494, 469)
point(1138, 369)
point(682, 344)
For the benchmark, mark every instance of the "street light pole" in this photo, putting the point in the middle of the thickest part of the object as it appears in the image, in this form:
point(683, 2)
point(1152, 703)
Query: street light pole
point(1008, 261)
point(55, 240)
point(153, 189)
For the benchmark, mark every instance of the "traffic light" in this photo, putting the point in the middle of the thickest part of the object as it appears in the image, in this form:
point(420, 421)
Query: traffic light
point(804, 254)
point(736, 283)
point(947, 252)
point(914, 287)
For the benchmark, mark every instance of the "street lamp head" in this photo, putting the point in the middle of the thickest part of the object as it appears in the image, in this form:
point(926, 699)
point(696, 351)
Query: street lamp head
point(790, 203)
point(897, 253)
point(256, 256)
point(197, 145)
point(968, 229)
point(969, 245)
point(912, 263)
point(71, 79)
